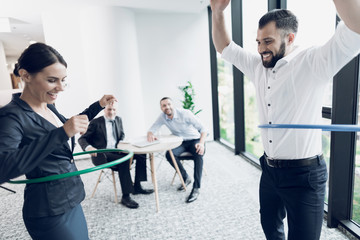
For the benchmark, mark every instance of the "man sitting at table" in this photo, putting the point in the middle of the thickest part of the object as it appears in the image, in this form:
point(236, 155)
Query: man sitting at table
point(106, 132)
point(185, 124)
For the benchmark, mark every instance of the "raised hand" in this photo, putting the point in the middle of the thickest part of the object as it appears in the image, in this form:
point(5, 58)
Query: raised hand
point(107, 100)
point(219, 33)
point(219, 5)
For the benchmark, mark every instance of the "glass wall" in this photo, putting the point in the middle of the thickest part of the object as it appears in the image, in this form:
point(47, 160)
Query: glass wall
point(252, 12)
point(226, 92)
point(313, 32)
point(356, 199)
point(356, 193)
point(309, 34)
point(326, 150)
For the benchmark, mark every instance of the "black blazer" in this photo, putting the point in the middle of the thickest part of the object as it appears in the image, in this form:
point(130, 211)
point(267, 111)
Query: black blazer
point(31, 145)
point(96, 135)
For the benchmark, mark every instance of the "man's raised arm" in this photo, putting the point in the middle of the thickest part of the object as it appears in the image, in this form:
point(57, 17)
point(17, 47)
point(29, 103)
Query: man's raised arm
point(220, 36)
point(349, 12)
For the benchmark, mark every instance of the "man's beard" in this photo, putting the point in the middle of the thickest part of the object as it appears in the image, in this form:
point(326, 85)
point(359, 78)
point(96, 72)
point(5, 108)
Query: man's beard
point(280, 54)
point(168, 112)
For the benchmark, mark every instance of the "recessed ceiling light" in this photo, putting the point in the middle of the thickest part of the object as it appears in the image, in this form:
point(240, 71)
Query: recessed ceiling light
point(5, 24)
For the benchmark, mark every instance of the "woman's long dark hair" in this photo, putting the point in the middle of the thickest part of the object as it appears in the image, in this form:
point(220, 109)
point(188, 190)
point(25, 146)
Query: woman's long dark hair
point(37, 57)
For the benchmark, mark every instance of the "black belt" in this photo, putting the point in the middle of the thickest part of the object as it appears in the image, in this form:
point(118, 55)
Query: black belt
point(286, 163)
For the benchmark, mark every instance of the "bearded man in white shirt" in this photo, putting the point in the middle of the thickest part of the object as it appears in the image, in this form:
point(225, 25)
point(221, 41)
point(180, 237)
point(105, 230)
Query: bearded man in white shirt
point(290, 84)
point(183, 123)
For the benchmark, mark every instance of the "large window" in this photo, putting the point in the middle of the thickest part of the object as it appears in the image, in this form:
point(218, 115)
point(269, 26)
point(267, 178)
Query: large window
point(356, 199)
point(313, 28)
point(326, 150)
point(309, 34)
point(356, 194)
point(252, 12)
point(226, 92)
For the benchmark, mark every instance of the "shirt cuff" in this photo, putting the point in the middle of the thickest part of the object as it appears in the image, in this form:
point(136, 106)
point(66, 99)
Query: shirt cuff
point(87, 147)
point(227, 50)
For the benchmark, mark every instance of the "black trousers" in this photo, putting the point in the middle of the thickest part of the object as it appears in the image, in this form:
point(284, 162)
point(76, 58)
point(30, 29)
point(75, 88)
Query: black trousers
point(188, 146)
point(124, 169)
point(297, 192)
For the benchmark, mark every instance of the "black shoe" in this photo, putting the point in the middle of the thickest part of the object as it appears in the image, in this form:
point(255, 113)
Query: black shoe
point(187, 182)
point(193, 195)
point(139, 190)
point(128, 202)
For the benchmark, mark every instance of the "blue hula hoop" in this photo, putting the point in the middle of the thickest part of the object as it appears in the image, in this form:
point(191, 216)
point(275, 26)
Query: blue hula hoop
point(332, 127)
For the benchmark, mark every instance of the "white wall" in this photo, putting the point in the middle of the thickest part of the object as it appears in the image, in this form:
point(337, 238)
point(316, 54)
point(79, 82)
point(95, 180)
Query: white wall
point(174, 49)
point(138, 56)
point(65, 36)
point(5, 80)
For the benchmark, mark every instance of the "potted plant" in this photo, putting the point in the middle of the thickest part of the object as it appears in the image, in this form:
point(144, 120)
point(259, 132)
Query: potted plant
point(189, 94)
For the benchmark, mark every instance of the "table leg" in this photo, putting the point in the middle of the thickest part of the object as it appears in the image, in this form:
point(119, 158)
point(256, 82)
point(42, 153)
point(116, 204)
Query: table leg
point(153, 176)
point(177, 168)
point(131, 161)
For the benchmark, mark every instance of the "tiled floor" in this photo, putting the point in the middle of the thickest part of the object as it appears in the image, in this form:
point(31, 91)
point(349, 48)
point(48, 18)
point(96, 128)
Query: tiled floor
point(226, 209)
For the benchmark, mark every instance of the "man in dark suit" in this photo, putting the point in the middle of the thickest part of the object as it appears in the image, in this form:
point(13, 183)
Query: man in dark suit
point(106, 132)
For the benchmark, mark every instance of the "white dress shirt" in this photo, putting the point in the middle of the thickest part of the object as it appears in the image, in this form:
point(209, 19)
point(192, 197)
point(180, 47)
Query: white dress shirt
point(184, 124)
point(292, 91)
point(110, 139)
point(59, 124)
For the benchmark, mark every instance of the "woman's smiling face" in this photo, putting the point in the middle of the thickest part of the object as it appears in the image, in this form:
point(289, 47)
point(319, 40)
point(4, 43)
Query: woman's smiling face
point(45, 85)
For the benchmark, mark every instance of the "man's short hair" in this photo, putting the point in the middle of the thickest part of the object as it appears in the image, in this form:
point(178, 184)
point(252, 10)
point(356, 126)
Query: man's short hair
point(165, 98)
point(284, 20)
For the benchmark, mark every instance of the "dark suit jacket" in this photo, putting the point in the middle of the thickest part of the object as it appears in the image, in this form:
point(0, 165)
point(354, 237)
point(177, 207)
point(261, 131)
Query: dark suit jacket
point(96, 136)
point(31, 145)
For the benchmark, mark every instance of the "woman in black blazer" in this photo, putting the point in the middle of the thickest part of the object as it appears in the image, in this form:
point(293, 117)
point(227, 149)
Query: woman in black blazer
point(36, 140)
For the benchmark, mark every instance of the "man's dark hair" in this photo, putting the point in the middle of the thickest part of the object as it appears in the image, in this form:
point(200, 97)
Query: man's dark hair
point(164, 98)
point(284, 20)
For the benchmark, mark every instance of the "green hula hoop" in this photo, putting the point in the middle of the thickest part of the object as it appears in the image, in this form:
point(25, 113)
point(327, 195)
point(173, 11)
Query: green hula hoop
point(76, 173)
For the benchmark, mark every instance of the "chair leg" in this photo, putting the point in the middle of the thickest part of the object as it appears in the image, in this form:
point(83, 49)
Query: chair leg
point(182, 162)
point(114, 182)
point(97, 183)
point(172, 182)
point(204, 170)
point(131, 161)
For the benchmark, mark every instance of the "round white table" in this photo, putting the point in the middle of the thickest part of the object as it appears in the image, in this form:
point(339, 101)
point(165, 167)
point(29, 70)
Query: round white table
point(166, 143)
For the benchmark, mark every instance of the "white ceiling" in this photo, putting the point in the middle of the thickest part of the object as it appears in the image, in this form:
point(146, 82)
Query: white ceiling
point(26, 24)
